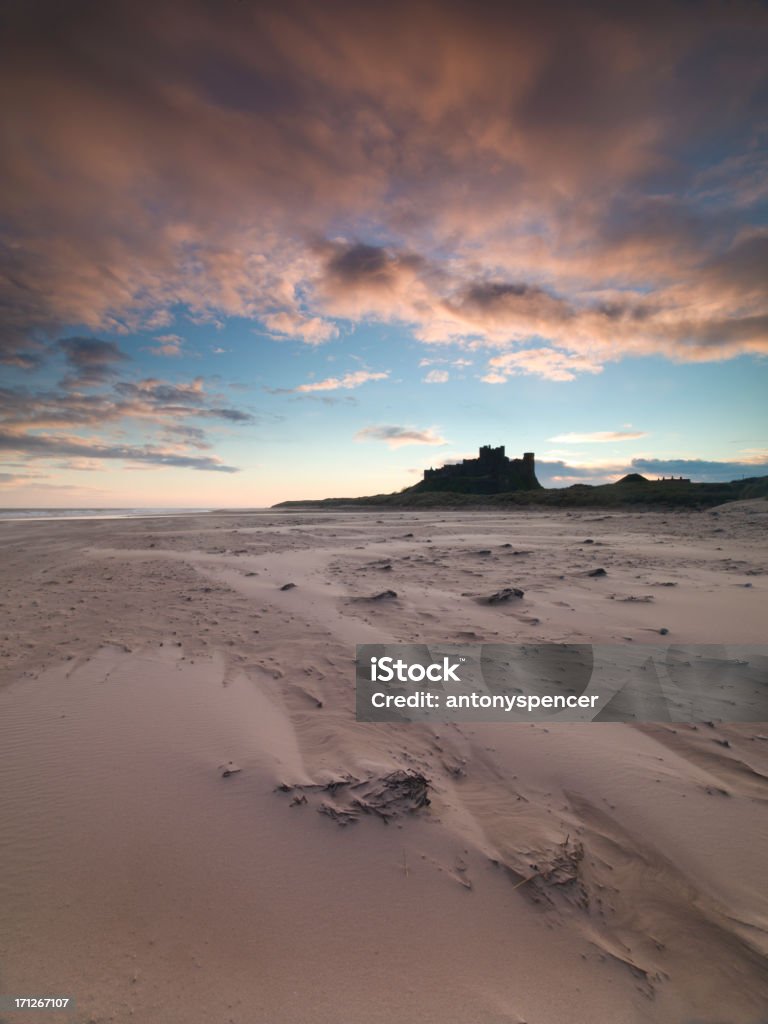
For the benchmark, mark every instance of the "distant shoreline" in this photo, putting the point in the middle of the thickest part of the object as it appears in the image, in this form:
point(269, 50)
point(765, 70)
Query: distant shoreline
point(24, 515)
point(650, 494)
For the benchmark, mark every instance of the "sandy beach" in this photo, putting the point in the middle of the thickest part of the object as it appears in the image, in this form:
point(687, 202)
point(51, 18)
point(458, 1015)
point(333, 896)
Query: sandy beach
point(583, 873)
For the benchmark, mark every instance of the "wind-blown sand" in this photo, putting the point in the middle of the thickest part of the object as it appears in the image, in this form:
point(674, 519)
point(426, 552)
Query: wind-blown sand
point(561, 873)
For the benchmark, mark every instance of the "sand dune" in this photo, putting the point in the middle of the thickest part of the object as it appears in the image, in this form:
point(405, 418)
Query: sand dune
point(559, 873)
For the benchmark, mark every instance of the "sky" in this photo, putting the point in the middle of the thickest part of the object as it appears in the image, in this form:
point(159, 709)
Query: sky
point(258, 251)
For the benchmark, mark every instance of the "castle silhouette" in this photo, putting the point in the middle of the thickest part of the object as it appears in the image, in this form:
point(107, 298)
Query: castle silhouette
point(490, 473)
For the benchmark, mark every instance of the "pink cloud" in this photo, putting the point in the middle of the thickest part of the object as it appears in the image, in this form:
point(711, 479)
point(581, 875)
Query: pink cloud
point(348, 381)
point(540, 362)
point(526, 173)
point(168, 345)
point(313, 330)
point(399, 437)
point(600, 436)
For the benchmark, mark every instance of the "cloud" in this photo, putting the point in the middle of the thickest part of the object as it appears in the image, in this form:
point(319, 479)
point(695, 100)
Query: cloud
point(187, 435)
point(310, 329)
point(20, 352)
point(232, 415)
point(541, 362)
point(360, 282)
point(78, 465)
point(599, 436)
point(754, 455)
point(168, 345)
point(516, 307)
point(34, 482)
point(330, 400)
point(37, 446)
point(559, 473)
point(397, 437)
point(159, 407)
point(153, 397)
point(91, 360)
point(18, 479)
point(437, 377)
point(149, 400)
point(349, 380)
point(161, 393)
point(360, 264)
point(586, 180)
point(459, 364)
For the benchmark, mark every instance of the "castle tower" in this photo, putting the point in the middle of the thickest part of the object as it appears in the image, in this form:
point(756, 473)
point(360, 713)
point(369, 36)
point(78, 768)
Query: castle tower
point(487, 452)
